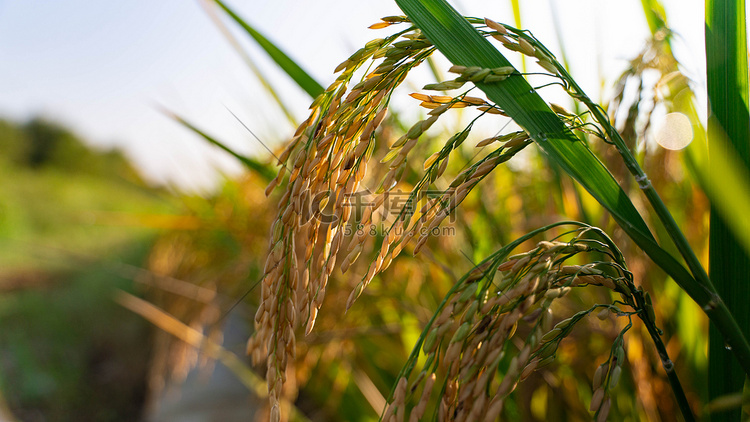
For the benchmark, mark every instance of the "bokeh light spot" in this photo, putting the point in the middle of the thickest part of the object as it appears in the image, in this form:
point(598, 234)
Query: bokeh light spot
point(675, 131)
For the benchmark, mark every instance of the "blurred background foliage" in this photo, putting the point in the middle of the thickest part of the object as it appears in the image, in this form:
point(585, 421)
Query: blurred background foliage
point(68, 235)
point(76, 224)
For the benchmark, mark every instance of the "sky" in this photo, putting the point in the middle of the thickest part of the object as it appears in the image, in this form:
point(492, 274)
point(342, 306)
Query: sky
point(107, 68)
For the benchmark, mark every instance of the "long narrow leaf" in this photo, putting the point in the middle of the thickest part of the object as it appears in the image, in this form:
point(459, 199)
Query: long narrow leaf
point(653, 10)
point(263, 170)
point(259, 75)
point(302, 78)
point(195, 338)
point(462, 45)
point(727, 82)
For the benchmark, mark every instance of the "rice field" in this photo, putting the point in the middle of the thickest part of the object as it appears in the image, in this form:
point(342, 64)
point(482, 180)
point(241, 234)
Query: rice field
point(458, 231)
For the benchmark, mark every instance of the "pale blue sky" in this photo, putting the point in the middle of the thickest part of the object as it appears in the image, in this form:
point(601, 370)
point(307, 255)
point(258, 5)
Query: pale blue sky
point(101, 66)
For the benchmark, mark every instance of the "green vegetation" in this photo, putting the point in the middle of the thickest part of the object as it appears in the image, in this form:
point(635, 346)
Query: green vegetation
point(68, 352)
point(729, 130)
point(500, 257)
point(58, 196)
point(69, 232)
point(331, 156)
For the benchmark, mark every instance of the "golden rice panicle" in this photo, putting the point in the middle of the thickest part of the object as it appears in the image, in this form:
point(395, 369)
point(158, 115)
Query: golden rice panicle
point(460, 188)
point(418, 411)
point(396, 409)
point(480, 316)
point(326, 161)
point(398, 163)
point(275, 319)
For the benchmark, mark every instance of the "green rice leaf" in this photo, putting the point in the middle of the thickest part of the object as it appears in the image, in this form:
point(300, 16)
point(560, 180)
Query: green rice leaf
point(727, 83)
point(302, 78)
point(259, 75)
point(462, 45)
point(261, 169)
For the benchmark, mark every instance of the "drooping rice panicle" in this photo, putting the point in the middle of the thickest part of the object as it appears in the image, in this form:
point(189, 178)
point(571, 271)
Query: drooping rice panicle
point(469, 335)
point(324, 166)
point(325, 162)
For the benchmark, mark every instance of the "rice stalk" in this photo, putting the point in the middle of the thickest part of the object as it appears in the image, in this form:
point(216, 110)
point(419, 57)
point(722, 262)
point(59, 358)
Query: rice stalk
point(445, 26)
point(326, 163)
point(466, 342)
point(326, 160)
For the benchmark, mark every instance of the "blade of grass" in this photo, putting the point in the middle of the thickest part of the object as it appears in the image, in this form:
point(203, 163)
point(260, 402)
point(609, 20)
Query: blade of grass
point(727, 186)
point(369, 390)
point(462, 45)
point(261, 169)
point(653, 10)
point(207, 5)
point(727, 84)
point(434, 69)
point(724, 403)
point(290, 67)
point(195, 338)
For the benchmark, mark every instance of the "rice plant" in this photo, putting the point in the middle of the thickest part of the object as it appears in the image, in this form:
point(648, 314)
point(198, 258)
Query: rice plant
point(462, 352)
point(359, 187)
